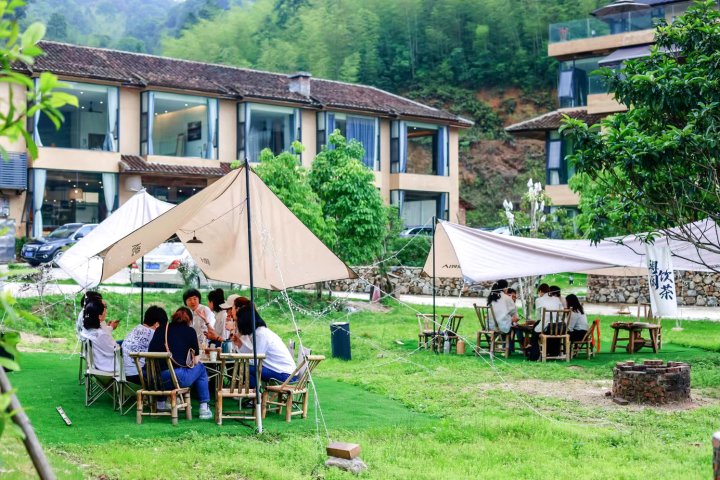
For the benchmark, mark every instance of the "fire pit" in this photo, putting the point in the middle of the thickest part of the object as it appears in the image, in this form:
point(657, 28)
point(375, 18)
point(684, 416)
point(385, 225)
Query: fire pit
point(652, 382)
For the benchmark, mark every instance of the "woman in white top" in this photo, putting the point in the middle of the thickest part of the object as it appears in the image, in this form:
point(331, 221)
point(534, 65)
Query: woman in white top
point(545, 301)
point(578, 325)
point(503, 307)
point(278, 363)
point(203, 317)
point(217, 332)
point(103, 344)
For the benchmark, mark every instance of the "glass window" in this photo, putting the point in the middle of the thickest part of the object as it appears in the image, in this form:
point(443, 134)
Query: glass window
point(73, 197)
point(418, 208)
point(172, 191)
point(268, 126)
point(179, 125)
point(363, 129)
point(575, 81)
point(559, 171)
point(426, 149)
point(92, 125)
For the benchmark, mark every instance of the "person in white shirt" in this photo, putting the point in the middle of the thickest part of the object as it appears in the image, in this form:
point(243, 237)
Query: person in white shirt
point(79, 327)
point(203, 317)
point(216, 302)
point(578, 325)
point(103, 344)
point(545, 301)
point(503, 307)
point(555, 292)
point(138, 340)
point(278, 363)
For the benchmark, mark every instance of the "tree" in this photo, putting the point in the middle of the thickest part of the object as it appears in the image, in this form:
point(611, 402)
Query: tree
point(17, 48)
point(57, 27)
point(349, 199)
point(656, 166)
point(289, 181)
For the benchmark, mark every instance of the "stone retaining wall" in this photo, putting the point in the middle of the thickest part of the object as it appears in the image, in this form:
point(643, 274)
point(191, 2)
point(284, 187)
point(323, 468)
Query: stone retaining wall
point(407, 281)
point(692, 288)
point(652, 382)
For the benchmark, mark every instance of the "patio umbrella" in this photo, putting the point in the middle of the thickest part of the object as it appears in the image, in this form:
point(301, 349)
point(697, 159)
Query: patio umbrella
point(621, 6)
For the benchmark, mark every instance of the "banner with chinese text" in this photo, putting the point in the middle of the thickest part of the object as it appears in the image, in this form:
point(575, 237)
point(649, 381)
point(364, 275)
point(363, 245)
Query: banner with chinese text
point(661, 281)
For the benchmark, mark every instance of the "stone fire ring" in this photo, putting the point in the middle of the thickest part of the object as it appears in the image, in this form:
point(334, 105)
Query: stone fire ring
point(653, 382)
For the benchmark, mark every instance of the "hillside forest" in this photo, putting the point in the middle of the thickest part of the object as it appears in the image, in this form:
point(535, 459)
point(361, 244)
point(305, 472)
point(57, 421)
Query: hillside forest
point(484, 59)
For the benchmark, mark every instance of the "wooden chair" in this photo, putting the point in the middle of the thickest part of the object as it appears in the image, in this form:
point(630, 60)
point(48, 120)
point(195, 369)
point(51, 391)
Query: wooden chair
point(427, 329)
point(99, 382)
point(587, 341)
point(645, 312)
point(554, 326)
point(449, 326)
point(489, 337)
point(237, 367)
point(152, 387)
point(292, 394)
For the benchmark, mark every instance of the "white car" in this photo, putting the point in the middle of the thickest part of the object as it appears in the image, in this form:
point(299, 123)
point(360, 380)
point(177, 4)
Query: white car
point(164, 265)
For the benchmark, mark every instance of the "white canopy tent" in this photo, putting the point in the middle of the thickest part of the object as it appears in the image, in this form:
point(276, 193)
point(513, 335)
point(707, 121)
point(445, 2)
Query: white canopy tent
point(80, 260)
point(463, 252)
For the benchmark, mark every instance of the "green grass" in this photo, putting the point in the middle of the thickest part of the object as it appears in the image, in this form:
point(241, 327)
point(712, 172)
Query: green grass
point(416, 414)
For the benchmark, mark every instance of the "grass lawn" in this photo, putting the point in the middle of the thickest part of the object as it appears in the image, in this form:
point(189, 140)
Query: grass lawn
point(415, 414)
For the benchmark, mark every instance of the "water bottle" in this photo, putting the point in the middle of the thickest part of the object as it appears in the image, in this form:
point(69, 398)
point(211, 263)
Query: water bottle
point(446, 346)
point(227, 346)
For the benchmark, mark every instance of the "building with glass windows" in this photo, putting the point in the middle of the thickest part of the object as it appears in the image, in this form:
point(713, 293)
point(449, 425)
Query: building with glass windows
point(173, 126)
point(613, 34)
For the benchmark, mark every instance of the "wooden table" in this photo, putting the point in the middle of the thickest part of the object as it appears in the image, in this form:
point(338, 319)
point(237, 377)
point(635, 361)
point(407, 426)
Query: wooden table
point(634, 330)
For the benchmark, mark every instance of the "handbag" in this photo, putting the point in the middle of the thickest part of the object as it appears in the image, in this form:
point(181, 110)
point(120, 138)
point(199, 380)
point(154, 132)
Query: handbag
point(189, 360)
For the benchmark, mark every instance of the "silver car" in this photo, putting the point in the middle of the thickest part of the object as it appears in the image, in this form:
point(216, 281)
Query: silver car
point(170, 264)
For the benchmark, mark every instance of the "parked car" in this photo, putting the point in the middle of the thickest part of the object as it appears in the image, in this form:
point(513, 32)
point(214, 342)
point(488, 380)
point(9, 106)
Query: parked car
point(166, 265)
point(50, 248)
point(409, 232)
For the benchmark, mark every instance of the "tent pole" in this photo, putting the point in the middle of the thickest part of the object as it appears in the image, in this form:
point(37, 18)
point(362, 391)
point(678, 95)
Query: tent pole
point(434, 221)
point(142, 287)
point(258, 411)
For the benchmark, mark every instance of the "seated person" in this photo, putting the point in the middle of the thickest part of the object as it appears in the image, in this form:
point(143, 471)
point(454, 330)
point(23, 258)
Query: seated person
point(278, 363)
point(545, 301)
point(138, 340)
point(504, 309)
point(555, 292)
point(87, 297)
point(578, 325)
point(101, 339)
point(202, 316)
point(180, 339)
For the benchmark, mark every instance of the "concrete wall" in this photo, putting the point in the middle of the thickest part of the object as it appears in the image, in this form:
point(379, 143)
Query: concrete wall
point(562, 50)
point(562, 196)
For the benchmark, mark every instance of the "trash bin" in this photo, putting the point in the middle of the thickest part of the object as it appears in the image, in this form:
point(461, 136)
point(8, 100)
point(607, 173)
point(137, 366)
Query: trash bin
point(340, 340)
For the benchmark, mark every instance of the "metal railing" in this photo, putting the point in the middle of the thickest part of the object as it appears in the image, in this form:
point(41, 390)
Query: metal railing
point(592, 27)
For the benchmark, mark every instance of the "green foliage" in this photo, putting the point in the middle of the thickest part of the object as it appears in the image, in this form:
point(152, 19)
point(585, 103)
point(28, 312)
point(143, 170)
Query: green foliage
point(655, 166)
point(412, 251)
point(350, 199)
point(401, 45)
point(289, 181)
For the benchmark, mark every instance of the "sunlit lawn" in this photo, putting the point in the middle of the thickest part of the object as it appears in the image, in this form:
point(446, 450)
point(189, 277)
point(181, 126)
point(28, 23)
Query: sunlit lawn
point(416, 414)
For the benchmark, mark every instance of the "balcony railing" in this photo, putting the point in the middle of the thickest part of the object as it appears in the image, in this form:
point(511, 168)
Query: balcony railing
point(614, 24)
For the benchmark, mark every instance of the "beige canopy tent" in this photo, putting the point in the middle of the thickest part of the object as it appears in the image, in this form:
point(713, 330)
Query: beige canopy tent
point(213, 225)
point(237, 231)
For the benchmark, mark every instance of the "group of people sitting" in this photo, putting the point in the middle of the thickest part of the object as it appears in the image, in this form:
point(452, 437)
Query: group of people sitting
point(189, 329)
point(503, 301)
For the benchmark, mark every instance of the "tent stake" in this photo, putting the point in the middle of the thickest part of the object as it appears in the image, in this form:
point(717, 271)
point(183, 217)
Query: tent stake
point(258, 411)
